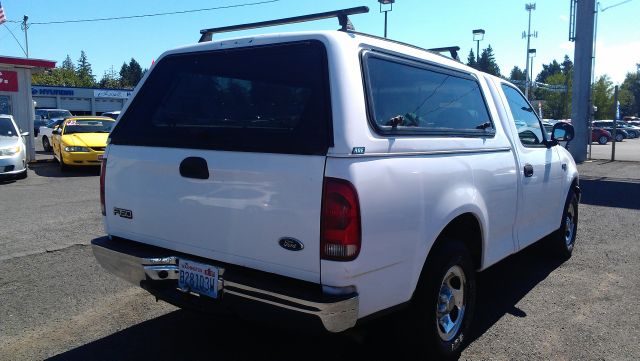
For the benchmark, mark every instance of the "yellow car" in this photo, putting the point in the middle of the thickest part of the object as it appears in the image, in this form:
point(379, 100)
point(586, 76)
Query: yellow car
point(80, 140)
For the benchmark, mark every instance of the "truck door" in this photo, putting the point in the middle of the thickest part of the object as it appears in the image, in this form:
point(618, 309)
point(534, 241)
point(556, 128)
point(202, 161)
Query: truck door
point(539, 170)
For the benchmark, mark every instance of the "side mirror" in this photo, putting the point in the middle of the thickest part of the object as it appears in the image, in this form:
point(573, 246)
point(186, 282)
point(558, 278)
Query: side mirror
point(562, 132)
point(56, 131)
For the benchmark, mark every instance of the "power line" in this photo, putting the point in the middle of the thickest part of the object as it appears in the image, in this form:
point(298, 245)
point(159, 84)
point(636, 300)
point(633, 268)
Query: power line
point(151, 15)
point(11, 32)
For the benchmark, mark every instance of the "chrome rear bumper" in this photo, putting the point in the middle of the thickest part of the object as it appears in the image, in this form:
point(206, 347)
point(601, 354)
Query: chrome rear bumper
point(145, 266)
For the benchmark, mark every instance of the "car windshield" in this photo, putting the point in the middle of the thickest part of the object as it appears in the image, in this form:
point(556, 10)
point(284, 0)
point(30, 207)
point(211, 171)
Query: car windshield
point(7, 129)
point(88, 126)
point(59, 114)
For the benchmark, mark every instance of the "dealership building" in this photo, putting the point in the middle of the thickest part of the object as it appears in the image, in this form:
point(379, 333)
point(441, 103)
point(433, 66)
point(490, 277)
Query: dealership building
point(80, 101)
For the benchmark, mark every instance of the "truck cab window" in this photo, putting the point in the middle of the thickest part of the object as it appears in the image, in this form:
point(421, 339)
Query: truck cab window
point(527, 123)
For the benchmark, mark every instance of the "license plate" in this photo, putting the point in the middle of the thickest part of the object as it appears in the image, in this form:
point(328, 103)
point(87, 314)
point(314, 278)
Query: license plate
point(198, 278)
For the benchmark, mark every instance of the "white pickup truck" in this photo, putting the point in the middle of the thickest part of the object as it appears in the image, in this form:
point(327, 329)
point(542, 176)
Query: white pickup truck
point(329, 176)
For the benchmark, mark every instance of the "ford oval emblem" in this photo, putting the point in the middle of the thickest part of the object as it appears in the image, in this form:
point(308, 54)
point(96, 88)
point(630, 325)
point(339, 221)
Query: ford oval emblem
point(291, 244)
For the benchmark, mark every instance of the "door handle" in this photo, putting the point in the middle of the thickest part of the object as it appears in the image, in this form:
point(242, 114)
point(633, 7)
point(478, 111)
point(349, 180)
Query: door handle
point(528, 170)
point(194, 167)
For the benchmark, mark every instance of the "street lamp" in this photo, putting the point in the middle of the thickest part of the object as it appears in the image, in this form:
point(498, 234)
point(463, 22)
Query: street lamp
point(532, 54)
point(478, 35)
point(388, 7)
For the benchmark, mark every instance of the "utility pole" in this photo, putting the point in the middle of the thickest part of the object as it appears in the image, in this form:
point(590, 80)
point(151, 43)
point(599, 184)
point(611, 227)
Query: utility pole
point(528, 7)
point(615, 121)
point(25, 27)
point(580, 104)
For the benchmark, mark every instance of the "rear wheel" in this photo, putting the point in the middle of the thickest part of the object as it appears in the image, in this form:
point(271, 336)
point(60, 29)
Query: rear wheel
point(602, 140)
point(444, 301)
point(619, 137)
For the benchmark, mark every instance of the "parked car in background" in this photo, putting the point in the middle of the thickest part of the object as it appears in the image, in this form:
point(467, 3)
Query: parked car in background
point(620, 134)
point(600, 135)
point(49, 114)
point(37, 123)
point(113, 114)
point(47, 132)
point(80, 141)
point(632, 131)
point(13, 159)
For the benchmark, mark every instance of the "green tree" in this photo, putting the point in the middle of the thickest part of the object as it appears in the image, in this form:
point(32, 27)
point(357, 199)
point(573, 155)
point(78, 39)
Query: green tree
point(125, 76)
point(110, 79)
point(629, 94)
point(548, 70)
point(471, 59)
point(487, 62)
point(65, 75)
point(84, 71)
point(603, 98)
point(135, 72)
point(517, 77)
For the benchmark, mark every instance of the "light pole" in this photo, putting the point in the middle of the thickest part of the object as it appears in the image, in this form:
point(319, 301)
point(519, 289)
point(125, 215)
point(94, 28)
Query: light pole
point(528, 7)
point(478, 35)
point(388, 4)
point(532, 54)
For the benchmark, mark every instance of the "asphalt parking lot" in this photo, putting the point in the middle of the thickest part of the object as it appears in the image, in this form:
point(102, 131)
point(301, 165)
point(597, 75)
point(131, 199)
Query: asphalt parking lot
point(627, 150)
point(58, 304)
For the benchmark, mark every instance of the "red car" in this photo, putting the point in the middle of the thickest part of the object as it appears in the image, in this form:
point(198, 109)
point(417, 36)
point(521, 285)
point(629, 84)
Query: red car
point(600, 135)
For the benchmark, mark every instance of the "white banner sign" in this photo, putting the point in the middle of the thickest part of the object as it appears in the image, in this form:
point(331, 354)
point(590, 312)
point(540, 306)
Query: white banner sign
point(124, 94)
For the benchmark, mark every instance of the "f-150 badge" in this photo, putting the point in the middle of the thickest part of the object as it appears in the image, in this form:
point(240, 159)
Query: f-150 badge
point(124, 213)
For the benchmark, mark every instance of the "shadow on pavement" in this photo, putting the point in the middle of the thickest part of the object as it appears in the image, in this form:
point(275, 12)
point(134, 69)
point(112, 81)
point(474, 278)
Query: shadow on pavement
point(504, 284)
point(183, 335)
point(610, 193)
point(52, 169)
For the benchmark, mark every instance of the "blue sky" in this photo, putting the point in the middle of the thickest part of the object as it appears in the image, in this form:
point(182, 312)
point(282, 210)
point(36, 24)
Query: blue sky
point(420, 22)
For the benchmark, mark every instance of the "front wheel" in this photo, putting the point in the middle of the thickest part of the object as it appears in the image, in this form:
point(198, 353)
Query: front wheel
point(444, 301)
point(61, 163)
point(562, 241)
point(46, 144)
point(619, 137)
point(602, 140)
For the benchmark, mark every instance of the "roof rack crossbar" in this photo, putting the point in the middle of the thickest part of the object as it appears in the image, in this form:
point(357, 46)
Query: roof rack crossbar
point(453, 50)
point(342, 15)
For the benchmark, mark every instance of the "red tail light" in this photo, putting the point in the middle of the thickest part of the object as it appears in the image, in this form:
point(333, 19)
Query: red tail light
point(340, 221)
point(103, 169)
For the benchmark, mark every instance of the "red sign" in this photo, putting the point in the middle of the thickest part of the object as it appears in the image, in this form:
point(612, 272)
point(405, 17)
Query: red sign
point(8, 81)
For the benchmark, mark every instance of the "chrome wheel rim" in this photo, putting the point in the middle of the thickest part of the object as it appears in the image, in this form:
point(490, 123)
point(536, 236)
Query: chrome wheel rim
point(569, 226)
point(450, 306)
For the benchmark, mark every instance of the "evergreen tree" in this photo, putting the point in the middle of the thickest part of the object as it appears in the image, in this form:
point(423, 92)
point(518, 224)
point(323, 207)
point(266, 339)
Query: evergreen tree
point(603, 98)
point(125, 76)
point(549, 70)
point(518, 77)
point(471, 59)
point(110, 79)
point(488, 63)
point(84, 72)
point(67, 64)
point(629, 95)
point(135, 72)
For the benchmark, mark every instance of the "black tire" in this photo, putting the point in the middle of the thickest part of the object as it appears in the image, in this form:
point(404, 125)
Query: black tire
point(603, 140)
point(619, 137)
point(63, 166)
point(563, 240)
point(428, 336)
point(46, 145)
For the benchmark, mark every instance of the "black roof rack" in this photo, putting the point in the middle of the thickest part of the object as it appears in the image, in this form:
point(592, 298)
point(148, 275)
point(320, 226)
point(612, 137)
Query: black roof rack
point(453, 50)
point(342, 15)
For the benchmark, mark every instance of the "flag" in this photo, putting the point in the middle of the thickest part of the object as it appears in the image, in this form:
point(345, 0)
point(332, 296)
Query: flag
point(3, 18)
